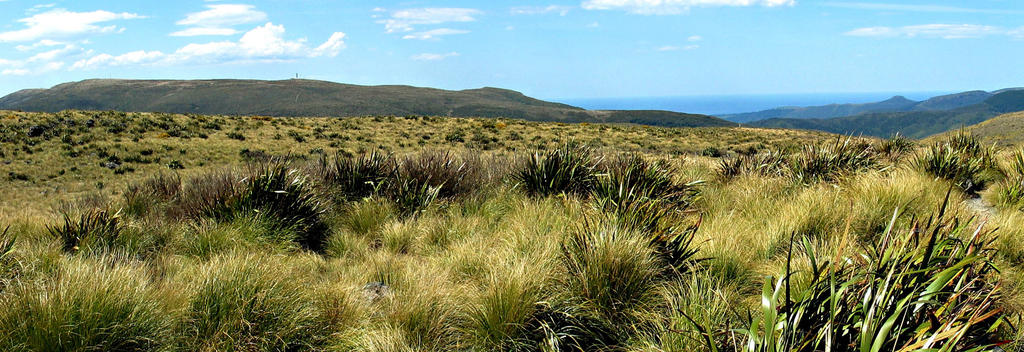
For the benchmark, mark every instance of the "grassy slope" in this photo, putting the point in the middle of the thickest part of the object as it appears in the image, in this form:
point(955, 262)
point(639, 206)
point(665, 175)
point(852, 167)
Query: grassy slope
point(72, 168)
point(1004, 130)
point(472, 274)
point(296, 97)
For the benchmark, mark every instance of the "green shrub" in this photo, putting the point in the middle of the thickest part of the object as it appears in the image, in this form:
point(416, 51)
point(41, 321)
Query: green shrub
point(273, 191)
point(85, 307)
point(569, 169)
point(450, 175)
point(960, 159)
point(768, 163)
point(142, 198)
point(354, 178)
point(933, 287)
point(245, 303)
point(895, 147)
point(95, 229)
point(827, 162)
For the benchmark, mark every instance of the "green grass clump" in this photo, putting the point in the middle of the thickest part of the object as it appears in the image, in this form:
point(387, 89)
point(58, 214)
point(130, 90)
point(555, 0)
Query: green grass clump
point(1009, 193)
point(827, 162)
point(569, 169)
point(354, 178)
point(88, 306)
point(960, 159)
point(767, 163)
point(928, 287)
point(895, 147)
point(277, 193)
point(613, 272)
point(246, 303)
point(94, 229)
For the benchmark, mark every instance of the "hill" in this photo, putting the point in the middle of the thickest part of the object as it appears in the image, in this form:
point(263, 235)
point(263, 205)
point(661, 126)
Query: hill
point(299, 97)
point(894, 104)
point(914, 124)
point(1003, 130)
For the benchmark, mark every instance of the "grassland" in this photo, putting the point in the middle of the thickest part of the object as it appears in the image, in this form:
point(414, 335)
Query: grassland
point(435, 234)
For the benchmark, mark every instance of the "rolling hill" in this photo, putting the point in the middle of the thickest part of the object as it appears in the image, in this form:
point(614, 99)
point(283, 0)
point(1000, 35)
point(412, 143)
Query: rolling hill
point(914, 124)
point(894, 104)
point(1003, 130)
point(297, 97)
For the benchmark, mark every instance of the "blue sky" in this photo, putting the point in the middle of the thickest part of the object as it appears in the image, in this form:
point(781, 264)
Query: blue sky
point(547, 49)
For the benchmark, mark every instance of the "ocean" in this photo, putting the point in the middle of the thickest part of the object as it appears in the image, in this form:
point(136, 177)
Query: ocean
point(731, 104)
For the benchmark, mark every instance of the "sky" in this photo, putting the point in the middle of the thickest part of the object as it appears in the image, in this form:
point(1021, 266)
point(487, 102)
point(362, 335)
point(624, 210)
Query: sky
point(547, 49)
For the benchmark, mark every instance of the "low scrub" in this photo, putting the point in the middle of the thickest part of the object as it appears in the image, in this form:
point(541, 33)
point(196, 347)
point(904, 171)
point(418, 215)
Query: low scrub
point(570, 169)
point(350, 178)
point(94, 229)
point(929, 287)
point(827, 162)
point(767, 163)
point(960, 159)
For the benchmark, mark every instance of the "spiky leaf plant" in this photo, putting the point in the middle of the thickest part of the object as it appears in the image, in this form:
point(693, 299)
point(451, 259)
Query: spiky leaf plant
point(95, 228)
point(827, 162)
point(931, 287)
point(353, 178)
point(570, 169)
point(960, 159)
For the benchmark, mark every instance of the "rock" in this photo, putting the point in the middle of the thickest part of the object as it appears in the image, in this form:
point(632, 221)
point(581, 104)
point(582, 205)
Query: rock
point(90, 123)
point(36, 131)
point(111, 164)
point(376, 291)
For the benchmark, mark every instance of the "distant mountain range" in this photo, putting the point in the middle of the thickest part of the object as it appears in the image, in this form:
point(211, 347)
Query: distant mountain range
point(917, 123)
point(894, 104)
point(296, 97)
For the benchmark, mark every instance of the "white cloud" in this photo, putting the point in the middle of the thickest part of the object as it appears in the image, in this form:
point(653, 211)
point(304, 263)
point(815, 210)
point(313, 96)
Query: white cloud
point(54, 54)
point(433, 57)
point(14, 72)
point(676, 48)
point(434, 33)
point(673, 7)
point(199, 31)
point(916, 8)
point(61, 23)
point(218, 19)
point(265, 43)
point(694, 38)
point(41, 43)
point(541, 10)
point(406, 20)
point(944, 31)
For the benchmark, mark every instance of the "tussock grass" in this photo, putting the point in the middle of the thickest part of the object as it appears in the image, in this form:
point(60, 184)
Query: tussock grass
point(960, 159)
point(89, 306)
point(467, 250)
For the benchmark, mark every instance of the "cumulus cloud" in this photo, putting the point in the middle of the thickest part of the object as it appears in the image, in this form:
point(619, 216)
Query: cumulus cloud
point(694, 38)
point(434, 33)
point(944, 31)
point(541, 10)
point(672, 7)
point(406, 20)
point(265, 43)
point(433, 57)
point(61, 23)
point(218, 19)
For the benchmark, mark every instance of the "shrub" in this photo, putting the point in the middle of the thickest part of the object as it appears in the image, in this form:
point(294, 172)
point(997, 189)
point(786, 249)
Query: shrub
point(451, 176)
point(245, 303)
point(354, 178)
point(162, 188)
point(960, 159)
point(569, 169)
point(273, 191)
point(932, 287)
point(1009, 193)
point(895, 147)
point(827, 162)
point(768, 163)
point(96, 229)
point(85, 307)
